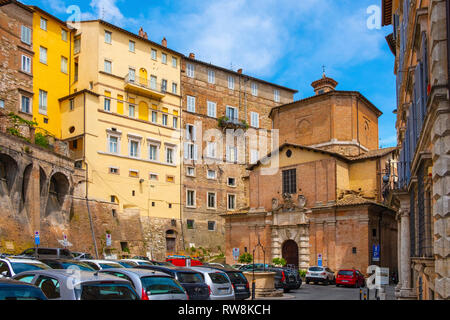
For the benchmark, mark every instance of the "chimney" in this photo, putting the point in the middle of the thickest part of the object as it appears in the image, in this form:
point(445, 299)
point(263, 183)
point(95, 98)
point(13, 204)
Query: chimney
point(145, 36)
point(141, 32)
point(164, 42)
point(240, 71)
point(191, 55)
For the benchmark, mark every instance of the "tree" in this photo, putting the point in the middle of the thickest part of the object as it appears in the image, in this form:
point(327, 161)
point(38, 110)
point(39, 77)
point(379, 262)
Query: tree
point(245, 258)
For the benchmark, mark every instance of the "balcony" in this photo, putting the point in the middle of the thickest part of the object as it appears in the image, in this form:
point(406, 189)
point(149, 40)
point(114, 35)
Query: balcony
point(232, 123)
point(145, 87)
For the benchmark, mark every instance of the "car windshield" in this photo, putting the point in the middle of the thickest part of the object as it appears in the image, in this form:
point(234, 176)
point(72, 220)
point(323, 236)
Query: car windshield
point(237, 277)
point(161, 285)
point(110, 265)
point(19, 267)
point(218, 278)
point(345, 273)
point(189, 277)
point(145, 263)
point(127, 264)
point(315, 269)
point(76, 265)
point(107, 291)
point(21, 293)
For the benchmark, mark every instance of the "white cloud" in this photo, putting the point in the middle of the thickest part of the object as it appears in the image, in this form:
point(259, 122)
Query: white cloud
point(107, 10)
point(388, 141)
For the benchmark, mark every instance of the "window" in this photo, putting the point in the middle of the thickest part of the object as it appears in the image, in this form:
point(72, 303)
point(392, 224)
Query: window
point(75, 76)
point(190, 104)
point(107, 106)
point(113, 144)
point(276, 95)
point(254, 89)
point(64, 35)
point(43, 24)
point(190, 70)
point(211, 76)
point(289, 181)
point(42, 102)
point(153, 177)
point(190, 198)
point(231, 202)
point(190, 132)
point(175, 122)
point(231, 154)
point(26, 64)
point(153, 81)
point(133, 148)
point(231, 182)
point(43, 55)
point(131, 111)
point(133, 174)
point(164, 119)
point(211, 149)
point(108, 66)
point(153, 152)
point(190, 151)
point(190, 224)
point(113, 170)
point(254, 122)
point(164, 85)
point(174, 62)
point(131, 46)
point(254, 156)
point(211, 225)
point(71, 104)
point(2, 103)
point(154, 52)
point(108, 37)
point(231, 82)
point(170, 152)
point(211, 200)
point(211, 174)
point(64, 62)
point(26, 35)
point(131, 75)
point(232, 114)
point(212, 106)
point(25, 104)
point(190, 171)
point(113, 199)
point(174, 87)
point(77, 46)
point(164, 58)
point(154, 116)
point(49, 286)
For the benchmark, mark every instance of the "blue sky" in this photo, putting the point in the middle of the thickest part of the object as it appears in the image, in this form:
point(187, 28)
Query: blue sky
point(282, 41)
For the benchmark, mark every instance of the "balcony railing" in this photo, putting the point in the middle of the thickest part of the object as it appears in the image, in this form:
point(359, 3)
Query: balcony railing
point(145, 86)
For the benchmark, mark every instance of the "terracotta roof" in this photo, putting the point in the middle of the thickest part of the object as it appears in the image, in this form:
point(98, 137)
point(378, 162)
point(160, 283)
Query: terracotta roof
point(70, 96)
point(373, 154)
point(5, 2)
point(353, 200)
point(64, 23)
point(323, 81)
point(391, 43)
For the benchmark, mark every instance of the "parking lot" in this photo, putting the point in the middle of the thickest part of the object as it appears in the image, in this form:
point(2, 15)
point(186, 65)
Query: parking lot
point(331, 292)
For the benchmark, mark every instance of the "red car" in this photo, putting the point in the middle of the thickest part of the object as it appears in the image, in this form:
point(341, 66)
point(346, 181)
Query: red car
point(181, 261)
point(350, 277)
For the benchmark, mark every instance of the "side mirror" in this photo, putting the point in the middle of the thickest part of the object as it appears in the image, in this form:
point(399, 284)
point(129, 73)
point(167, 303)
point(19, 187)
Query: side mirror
point(4, 274)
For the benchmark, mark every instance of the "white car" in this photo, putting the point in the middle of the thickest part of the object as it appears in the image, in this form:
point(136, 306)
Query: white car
point(102, 264)
point(9, 267)
point(219, 283)
point(320, 274)
point(138, 262)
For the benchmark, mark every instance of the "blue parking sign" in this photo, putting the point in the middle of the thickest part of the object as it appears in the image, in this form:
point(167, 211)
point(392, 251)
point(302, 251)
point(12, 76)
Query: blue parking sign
point(376, 252)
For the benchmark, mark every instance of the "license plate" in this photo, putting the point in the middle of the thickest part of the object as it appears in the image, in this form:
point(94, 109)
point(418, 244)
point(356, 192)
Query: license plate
point(344, 280)
point(240, 287)
point(223, 289)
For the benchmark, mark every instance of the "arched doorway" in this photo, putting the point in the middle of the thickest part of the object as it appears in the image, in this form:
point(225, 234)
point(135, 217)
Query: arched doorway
point(171, 241)
point(290, 253)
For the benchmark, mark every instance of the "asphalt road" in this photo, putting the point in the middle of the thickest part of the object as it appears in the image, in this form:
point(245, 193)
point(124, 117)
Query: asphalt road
point(331, 292)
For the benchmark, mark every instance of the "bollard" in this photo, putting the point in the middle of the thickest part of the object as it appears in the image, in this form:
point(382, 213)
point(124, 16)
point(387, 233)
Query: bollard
point(360, 293)
point(253, 289)
point(368, 294)
point(365, 295)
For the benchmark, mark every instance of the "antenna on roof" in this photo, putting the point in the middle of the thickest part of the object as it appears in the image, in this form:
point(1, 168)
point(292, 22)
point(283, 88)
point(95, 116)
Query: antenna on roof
point(103, 13)
point(231, 66)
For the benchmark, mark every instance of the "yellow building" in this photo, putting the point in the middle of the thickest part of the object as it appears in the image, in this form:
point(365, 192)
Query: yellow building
point(122, 121)
point(52, 66)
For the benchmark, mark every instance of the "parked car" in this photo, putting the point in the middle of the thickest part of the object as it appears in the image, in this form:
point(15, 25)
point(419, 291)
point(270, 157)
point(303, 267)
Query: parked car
point(219, 283)
point(192, 281)
point(141, 258)
point(9, 267)
point(257, 266)
point(238, 281)
point(162, 263)
point(102, 264)
point(296, 274)
point(150, 284)
point(127, 264)
point(284, 279)
point(16, 290)
point(350, 277)
point(237, 265)
point(215, 264)
point(181, 261)
point(320, 274)
point(47, 253)
point(139, 262)
point(67, 264)
point(82, 285)
point(81, 255)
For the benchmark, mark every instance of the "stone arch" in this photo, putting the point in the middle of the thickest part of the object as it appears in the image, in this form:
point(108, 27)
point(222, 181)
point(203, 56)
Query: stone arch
point(25, 184)
point(58, 190)
point(8, 173)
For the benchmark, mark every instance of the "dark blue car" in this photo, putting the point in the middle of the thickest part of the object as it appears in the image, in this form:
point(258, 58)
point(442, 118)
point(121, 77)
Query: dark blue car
point(17, 290)
point(191, 280)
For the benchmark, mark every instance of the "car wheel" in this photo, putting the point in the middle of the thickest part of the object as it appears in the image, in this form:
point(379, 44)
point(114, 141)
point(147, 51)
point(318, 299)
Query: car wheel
point(326, 282)
point(307, 282)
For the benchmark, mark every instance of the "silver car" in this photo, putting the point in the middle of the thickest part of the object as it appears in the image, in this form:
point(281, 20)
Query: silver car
point(218, 282)
point(320, 274)
point(102, 264)
point(9, 267)
point(79, 285)
point(151, 285)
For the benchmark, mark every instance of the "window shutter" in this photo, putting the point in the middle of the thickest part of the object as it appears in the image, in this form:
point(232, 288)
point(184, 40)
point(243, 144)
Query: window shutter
point(186, 150)
point(418, 108)
point(425, 80)
point(188, 136)
point(194, 133)
point(195, 152)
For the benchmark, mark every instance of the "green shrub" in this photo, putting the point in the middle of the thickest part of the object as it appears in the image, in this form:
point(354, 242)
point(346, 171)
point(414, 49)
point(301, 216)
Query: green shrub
point(302, 273)
point(41, 140)
point(246, 258)
point(279, 262)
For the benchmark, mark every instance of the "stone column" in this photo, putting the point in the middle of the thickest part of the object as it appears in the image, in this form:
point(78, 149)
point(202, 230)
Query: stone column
point(399, 262)
point(405, 255)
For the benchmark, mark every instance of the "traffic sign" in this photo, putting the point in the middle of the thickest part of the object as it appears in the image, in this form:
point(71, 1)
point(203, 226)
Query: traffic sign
point(37, 239)
point(108, 240)
point(235, 253)
point(376, 252)
point(66, 243)
point(319, 259)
